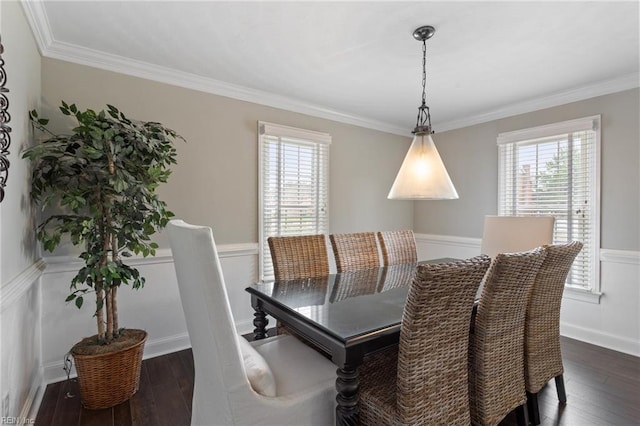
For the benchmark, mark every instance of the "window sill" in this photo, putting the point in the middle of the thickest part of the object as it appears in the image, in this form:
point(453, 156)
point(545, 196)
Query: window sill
point(581, 294)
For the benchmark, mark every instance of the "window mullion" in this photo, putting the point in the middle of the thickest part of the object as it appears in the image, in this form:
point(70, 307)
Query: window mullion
point(293, 174)
point(570, 177)
point(554, 169)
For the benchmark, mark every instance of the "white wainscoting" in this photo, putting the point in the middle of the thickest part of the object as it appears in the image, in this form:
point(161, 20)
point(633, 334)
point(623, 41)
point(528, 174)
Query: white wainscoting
point(436, 246)
point(613, 322)
point(22, 375)
point(156, 308)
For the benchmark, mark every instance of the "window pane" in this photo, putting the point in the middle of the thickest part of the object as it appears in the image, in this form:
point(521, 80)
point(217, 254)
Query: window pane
point(294, 186)
point(556, 175)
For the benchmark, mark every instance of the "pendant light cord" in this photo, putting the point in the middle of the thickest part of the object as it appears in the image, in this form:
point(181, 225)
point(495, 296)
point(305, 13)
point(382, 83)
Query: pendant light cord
point(424, 73)
point(423, 122)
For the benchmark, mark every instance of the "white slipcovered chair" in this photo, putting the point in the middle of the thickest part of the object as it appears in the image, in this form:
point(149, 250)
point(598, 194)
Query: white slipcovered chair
point(513, 234)
point(274, 381)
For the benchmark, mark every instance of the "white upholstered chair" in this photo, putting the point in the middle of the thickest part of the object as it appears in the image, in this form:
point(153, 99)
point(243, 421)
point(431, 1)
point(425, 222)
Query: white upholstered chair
point(274, 381)
point(512, 234)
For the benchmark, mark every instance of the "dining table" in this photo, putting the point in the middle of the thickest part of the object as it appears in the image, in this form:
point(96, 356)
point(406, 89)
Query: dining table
point(346, 315)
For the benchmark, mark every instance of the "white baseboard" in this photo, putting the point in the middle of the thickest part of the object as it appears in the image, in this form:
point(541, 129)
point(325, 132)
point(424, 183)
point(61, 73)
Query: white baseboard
point(166, 345)
point(54, 372)
point(606, 340)
point(31, 405)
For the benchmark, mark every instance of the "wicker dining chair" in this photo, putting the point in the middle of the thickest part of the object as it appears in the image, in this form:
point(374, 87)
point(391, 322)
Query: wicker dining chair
point(300, 256)
point(296, 257)
point(423, 381)
point(355, 251)
point(398, 247)
point(542, 356)
point(496, 346)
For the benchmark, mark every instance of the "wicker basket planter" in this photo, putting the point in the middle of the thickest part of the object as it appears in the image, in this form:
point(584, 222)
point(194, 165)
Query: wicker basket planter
point(110, 378)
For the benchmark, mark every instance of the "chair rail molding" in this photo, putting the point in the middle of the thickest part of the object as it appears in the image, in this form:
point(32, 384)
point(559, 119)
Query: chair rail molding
point(20, 285)
point(620, 256)
point(71, 263)
point(449, 240)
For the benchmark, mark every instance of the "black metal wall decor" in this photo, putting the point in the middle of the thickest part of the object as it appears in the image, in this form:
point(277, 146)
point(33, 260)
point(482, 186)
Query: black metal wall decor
point(5, 138)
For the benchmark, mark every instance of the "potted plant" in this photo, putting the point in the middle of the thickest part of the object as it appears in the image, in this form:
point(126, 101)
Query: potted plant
point(101, 181)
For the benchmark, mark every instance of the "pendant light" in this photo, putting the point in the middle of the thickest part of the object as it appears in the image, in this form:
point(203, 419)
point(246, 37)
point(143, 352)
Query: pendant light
point(422, 175)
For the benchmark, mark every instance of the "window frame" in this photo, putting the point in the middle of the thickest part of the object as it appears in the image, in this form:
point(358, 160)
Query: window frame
point(591, 292)
point(307, 137)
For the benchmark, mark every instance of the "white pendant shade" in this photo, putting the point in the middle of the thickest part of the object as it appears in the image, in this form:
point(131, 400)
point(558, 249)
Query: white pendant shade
point(422, 175)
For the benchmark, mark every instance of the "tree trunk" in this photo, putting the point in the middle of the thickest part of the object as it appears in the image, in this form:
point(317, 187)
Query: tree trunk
point(108, 238)
point(109, 315)
point(114, 310)
point(99, 286)
point(105, 235)
point(100, 312)
point(114, 290)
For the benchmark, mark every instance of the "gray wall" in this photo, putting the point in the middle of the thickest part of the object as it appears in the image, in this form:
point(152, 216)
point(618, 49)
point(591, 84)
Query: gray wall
point(215, 182)
point(20, 271)
point(471, 157)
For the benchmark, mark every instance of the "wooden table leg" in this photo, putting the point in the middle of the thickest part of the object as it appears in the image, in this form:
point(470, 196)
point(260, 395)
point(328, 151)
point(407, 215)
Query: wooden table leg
point(347, 385)
point(260, 322)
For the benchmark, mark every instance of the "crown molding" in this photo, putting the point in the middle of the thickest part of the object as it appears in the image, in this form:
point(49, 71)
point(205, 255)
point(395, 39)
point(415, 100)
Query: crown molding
point(109, 62)
point(39, 22)
point(619, 84)
point(51, 48)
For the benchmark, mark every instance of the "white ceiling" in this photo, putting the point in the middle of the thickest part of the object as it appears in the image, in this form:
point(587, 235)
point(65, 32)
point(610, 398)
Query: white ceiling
point(357, 62)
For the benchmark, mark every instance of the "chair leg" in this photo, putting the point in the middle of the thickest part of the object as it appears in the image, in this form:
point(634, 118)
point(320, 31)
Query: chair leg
point(522, 415)
point(534, 410)
point(562, 394)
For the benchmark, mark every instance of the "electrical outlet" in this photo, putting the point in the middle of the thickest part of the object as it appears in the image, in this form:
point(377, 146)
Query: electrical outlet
point(5, 406)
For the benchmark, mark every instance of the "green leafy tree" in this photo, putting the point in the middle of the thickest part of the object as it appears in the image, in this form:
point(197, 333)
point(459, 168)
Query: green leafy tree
point(551, 189)
point(102, 178)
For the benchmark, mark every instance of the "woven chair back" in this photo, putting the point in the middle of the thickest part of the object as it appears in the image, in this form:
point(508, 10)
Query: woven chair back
point(355, 251)
point(398, 247)
point(296, 257)
point(543, 360)
point(424, 380)
point(496, 352)
point(434, 339)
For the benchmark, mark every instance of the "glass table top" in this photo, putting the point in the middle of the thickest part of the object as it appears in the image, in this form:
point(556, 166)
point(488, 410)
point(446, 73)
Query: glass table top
point(348, 304)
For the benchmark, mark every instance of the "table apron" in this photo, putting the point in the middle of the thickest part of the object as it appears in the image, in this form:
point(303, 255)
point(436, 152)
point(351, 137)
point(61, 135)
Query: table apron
point(342, 354)
point(332, 346)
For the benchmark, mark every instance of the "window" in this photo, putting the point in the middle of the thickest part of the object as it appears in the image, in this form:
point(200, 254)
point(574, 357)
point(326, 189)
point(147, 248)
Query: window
point(294, 185)
point(554, 170)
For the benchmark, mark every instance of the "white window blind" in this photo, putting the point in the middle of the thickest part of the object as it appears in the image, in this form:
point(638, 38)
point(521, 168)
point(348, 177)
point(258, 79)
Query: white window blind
point(294, 185)
point(554, 170)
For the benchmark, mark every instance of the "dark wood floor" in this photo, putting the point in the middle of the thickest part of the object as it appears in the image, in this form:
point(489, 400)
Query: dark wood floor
point(603, 388)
